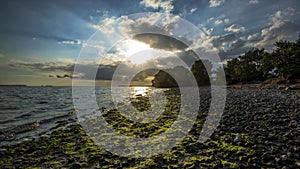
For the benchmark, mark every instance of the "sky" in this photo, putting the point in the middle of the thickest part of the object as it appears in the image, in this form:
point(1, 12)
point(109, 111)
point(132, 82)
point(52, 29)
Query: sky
point(41, 40)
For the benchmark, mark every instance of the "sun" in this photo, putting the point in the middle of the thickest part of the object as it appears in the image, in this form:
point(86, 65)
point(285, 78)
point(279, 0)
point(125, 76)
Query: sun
point(134, 51)
point(133, 46)
point(139, 53)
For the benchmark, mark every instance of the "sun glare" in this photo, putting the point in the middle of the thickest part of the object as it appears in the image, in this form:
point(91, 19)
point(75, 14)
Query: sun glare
point(133, 46)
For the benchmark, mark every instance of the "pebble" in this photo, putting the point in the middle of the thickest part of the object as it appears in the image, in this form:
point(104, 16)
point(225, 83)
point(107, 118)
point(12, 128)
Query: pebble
point(238, 138)
point(268, 120)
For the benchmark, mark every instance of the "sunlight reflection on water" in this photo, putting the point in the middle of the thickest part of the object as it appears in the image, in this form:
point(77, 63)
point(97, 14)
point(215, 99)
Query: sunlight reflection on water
point(139, 91)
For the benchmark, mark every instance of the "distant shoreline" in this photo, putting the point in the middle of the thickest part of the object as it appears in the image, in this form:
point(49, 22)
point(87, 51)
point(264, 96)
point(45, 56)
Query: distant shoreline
point(11, 85)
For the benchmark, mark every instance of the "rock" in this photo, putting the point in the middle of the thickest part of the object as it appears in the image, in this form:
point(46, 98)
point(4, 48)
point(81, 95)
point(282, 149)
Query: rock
point(281, 86)
point(295, 86)
point(283, 157)
point(72, 112)
point(42, 102)
point(293, 123)
point(238, 138)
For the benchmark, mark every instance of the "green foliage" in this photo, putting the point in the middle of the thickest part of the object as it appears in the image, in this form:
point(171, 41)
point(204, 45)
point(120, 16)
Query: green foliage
point(167, 78)
point(267, 66)
point(245, 68)
point(258, 65)
point(201, 70)
point(163, 79)
point(286, 59)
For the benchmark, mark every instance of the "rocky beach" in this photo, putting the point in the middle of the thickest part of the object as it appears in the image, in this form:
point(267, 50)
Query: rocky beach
point(259, 129)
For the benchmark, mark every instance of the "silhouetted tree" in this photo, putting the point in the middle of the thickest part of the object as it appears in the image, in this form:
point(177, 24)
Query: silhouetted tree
point(163, 79)
point(245, 68)
point(286, 59)
point(201, 70)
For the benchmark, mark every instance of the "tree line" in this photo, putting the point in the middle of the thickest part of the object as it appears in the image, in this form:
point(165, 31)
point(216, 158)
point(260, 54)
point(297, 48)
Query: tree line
point(255, 65)
point(258, 65)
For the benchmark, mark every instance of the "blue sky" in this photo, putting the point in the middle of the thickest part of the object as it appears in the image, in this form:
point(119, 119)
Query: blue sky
point(41, 39)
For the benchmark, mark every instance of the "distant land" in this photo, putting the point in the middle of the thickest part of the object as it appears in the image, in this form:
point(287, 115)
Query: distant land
point(11, 85)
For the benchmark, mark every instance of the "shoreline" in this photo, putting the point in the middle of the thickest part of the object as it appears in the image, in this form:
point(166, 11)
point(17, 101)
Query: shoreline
point(295, 86)
point(259, 128)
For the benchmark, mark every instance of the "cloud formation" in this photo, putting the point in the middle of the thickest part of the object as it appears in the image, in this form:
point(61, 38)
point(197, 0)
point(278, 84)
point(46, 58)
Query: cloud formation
point(253, 2)
point(37, 36)
point(159, 41)
point(71, 42)
point(166, 5)
point(235, 28)
point(193, 10)
point(280, 28)
point(106, 25)
point(215, 3)
point(43, 66)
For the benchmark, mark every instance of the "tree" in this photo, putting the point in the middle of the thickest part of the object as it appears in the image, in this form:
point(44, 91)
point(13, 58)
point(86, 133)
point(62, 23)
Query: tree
point(245, 68)
point(257, 65)
point(267, 67)
point(167, 77)
point(286, 59)
point(163, 80)
point(201, 70)
point(230, 71)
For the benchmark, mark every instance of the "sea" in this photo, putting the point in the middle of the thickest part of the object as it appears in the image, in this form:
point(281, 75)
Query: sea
point(30, 112)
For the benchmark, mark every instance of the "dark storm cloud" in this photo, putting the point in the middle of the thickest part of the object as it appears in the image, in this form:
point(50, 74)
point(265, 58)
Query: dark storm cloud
point(164, 42)
point(231, 45)
point(189, 57)
point(219, 40)
point(159, 41)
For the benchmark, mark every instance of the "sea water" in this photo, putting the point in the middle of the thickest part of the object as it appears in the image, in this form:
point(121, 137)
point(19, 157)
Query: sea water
point(28, 112)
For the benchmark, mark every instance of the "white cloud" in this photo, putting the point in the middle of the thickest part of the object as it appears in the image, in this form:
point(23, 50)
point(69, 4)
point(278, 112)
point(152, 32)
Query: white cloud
point(252, 37)
point(152, 19)
point(205, 39)
point(125, 26)
point(235, 28)
point(210, 19)
point(278, 20)
point(71, 42)
point(218, 22)
point(215, 3)
point(166, 5)
point(106, 25)
point(280, 28)
point(226, 20)
point(209, 31)
point(253, 2)
point(193, 10)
